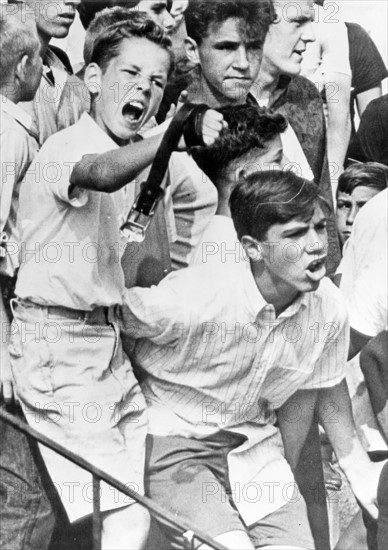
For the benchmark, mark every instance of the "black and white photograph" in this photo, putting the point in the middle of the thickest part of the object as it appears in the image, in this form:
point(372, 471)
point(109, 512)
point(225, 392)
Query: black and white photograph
point(194, 275)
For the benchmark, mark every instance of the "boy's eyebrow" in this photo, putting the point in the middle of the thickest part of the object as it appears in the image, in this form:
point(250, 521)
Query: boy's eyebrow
point(227, 43)
point(303, 18)
point(132, 65)
point(302, 225)
point(254, 44)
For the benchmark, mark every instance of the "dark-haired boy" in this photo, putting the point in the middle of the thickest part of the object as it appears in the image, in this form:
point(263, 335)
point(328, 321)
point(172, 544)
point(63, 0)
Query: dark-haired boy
point(77, 293)
point(224, 44)
point(251, 143)
point(222, 348)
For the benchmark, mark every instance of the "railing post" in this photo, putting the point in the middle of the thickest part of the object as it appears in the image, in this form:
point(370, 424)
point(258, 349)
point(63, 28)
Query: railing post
point(97, 523)
point(191, 534)
point(189, 538)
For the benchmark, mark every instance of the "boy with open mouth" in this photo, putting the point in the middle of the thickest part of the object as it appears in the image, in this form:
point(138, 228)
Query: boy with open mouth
point(76, 293)
point(229, 354)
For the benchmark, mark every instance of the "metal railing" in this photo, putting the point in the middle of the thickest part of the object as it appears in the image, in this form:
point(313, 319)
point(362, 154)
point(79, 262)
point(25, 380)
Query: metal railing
point(189, 531)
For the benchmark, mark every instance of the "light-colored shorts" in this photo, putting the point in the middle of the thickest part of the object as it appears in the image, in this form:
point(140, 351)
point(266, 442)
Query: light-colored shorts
point(179, 471)
point(77, 386)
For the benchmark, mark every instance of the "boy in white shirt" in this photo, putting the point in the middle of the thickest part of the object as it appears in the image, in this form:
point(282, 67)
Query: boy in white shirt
point(73, 379)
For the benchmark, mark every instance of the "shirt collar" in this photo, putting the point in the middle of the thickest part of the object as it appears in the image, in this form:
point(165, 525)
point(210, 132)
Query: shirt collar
point(96, 135)
point(281, 88)
point(258, 304)
point(51, 60)
point(16, 112)
point(255, 300)
point(302, 301)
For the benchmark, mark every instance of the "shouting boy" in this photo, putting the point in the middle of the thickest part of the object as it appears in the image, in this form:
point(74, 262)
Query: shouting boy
point(74, 381)
point(221, 347)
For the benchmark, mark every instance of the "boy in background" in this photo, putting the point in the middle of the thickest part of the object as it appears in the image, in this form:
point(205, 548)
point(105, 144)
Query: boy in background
point(27, 519)
point(251, 143)
point(356, 186)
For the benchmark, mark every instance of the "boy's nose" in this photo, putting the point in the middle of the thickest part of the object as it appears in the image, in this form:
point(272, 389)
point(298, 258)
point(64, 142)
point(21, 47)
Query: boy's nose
point(308, 34)
point(168, 22)
point(144, 83)
point(317, 242)
point(241, 60)
point(351, 215)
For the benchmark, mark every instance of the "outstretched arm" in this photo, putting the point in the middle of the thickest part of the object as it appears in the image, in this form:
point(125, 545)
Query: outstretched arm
point(110, 171)
point(362, 474)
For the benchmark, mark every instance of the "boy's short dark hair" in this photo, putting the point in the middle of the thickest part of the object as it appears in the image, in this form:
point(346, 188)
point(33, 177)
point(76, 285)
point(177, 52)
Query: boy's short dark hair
point(18, 37)
point(368, 174)
point(102, 20)
point(138, 25)
point(249, 127)
point(270, 197)
point(203, 15)
point(89, 8)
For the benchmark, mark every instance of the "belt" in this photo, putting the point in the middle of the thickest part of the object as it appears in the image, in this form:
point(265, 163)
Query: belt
point(100, 315)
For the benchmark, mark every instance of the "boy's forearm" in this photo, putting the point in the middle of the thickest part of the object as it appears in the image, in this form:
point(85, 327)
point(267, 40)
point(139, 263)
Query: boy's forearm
point(294, 431)
point(337, 419)
point(110, 171)
point(338, 125)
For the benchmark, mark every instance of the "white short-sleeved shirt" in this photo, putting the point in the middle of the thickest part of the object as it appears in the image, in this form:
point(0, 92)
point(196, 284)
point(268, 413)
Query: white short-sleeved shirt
point(368, 303)
point(330, 52)
point(70, 245)
point(219, 244)
point(364, 267)
point(18, 149)
point(217, 358)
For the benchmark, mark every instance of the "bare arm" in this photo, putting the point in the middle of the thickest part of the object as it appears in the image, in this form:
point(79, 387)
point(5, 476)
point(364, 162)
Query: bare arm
point(294, 432)
point(338, 122)
point(110, 171)
point(362, 474)
point(363, 98)
point(357, 342)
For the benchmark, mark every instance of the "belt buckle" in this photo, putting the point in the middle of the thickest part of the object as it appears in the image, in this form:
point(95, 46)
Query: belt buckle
point(135, 227)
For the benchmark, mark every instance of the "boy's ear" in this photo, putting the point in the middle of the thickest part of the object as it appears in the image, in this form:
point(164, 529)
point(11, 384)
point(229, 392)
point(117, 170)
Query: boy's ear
point(21, 68)
point(192, 50)
point(92, 78)
point(252, 248)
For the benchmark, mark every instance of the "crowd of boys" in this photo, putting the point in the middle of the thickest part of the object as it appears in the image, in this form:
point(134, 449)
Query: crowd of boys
point(181, 390)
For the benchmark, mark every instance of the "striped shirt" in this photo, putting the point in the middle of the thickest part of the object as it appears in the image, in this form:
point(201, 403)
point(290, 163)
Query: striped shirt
point(217, 357)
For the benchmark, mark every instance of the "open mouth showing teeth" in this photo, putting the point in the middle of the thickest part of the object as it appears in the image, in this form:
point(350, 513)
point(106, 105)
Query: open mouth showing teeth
point(133, 111)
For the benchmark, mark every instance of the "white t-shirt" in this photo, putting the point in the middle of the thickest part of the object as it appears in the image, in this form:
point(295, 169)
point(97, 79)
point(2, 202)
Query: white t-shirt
point(364, 268)
point(330, 52)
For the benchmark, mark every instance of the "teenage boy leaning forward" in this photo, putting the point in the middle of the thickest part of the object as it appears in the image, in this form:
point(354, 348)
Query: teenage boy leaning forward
point(222, 347)
point(72, 377)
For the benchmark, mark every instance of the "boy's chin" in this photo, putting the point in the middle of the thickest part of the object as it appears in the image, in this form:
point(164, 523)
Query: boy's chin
point(126, 134)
